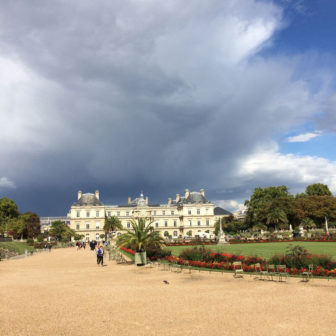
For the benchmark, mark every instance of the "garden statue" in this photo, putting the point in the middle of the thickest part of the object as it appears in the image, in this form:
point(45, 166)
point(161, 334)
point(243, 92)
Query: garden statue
point(221, 235)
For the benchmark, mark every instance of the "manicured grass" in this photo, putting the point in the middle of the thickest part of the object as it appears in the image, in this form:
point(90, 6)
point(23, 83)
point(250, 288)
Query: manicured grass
point(266, 250)
point(19, 247)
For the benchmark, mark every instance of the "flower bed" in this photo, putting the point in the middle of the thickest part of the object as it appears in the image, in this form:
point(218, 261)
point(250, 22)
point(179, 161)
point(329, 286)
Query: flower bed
point(228, 266)
point(128, 250)
point(255, 241)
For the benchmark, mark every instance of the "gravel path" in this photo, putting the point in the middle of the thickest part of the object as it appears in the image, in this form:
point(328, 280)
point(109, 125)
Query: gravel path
point(65, 293)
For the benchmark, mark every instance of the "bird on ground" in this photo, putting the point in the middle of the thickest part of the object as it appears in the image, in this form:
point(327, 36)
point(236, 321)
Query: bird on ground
point(166, 282)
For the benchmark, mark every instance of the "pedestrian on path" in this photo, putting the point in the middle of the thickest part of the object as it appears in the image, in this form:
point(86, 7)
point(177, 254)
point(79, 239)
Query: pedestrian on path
point(100, 256)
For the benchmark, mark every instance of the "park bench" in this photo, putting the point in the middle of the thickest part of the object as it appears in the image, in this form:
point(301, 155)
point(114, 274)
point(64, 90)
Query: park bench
point(260, 273)
point(306, 275)
point(120, 259)
point(238, 269)
point(281, 271)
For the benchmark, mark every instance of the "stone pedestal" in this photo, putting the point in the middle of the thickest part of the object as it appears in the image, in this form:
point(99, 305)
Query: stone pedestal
point(222, 238)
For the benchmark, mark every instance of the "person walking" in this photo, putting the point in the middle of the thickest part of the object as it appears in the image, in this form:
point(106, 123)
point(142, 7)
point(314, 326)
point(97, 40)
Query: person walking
point(49, 247)
point(100, 256)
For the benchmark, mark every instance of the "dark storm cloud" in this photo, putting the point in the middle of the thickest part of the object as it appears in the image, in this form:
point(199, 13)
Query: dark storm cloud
point(126, 96)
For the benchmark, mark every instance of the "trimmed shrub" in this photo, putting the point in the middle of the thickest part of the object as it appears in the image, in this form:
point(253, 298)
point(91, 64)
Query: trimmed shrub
point(30, 241)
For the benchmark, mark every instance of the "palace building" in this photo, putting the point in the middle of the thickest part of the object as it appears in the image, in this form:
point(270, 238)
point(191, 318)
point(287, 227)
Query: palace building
point(184, 216)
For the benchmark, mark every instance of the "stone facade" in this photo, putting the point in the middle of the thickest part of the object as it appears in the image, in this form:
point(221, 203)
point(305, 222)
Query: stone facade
point(192, 213)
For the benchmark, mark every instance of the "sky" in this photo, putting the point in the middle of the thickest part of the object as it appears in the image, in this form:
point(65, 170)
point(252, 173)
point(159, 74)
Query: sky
point(127, 96)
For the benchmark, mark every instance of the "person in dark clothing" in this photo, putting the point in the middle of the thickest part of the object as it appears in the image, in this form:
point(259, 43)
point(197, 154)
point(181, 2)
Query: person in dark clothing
point(100, 255)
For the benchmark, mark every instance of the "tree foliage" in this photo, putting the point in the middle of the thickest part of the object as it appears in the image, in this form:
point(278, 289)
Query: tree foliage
point(318, 189)
point(61, 231)
point(33, 224)
point(112, 224)
point(141, 235)
point(270, 207)
point(316, 208)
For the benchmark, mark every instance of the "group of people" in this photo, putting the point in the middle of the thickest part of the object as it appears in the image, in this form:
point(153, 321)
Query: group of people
point(94, 247)
point(80, 245)
point(47, 246)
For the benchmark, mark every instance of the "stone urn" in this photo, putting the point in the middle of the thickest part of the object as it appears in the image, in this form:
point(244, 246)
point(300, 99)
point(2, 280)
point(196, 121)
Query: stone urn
point(140, 258)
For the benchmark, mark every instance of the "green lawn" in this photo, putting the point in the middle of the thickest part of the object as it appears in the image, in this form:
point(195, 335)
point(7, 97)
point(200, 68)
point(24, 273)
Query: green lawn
point(19, 247)
point(266, 250)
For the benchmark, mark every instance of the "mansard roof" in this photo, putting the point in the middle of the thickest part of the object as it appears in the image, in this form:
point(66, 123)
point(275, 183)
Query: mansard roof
point(220, 211)
point(88, 199)
point(194, 198)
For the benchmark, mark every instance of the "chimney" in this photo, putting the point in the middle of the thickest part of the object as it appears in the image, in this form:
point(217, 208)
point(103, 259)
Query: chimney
point(147, 200)
point(186, 193)
point(169, 201)
point(129, 200)
point(177, 199)
point(202, 192)
point(97, 194)
point(79, 194)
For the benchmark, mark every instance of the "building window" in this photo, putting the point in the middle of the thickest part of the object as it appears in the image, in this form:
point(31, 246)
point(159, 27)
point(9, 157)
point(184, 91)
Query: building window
point(87, 236)
point(127, 213)
point(207, 222)
point(88, 225)
point(206, 211)
point(128, 224)
point(190, 223)
point(172, 212)
point(189, 212)
point(154, 212)
point(175, 233)
point(97, 225)
point(87, 213)
point(198, 211)
point(118, 213)
point(175, 224)
point(157, 224)
point(109, 213)
point(97, 213)
point(97, 236)
point(163, 213)
point(199, 223)
point(166, 223)
point(78, 213)
point(77, 226)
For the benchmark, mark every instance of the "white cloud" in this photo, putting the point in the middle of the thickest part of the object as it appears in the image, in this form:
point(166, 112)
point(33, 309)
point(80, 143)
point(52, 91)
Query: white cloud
point(230, 205)
point(303, 137)
point(293, 170)
point(5, 182)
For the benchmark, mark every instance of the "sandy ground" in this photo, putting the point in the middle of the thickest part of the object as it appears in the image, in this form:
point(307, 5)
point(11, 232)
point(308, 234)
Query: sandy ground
point(66, 293)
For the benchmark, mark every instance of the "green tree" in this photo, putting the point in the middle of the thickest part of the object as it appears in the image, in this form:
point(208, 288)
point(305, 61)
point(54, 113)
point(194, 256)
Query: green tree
point(61, 231)
point(276, 217)
point(33, 224)
point(141, 235)
point(316, 208)
point(18, 226)
point(189, 233)
point(267, 204)
point(112, 224)
point(8, 210)
point(318, 189)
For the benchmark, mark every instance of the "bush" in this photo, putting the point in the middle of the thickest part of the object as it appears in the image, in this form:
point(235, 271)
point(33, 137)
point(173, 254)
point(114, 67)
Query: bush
point(30, 241)
point(298, 257)
point(196, 254)
point(157, 253)
point(40, 238)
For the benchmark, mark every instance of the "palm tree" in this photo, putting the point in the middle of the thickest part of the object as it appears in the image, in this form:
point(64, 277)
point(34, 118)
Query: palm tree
point(276, 216)
point(141, 235)
point(112, 224)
